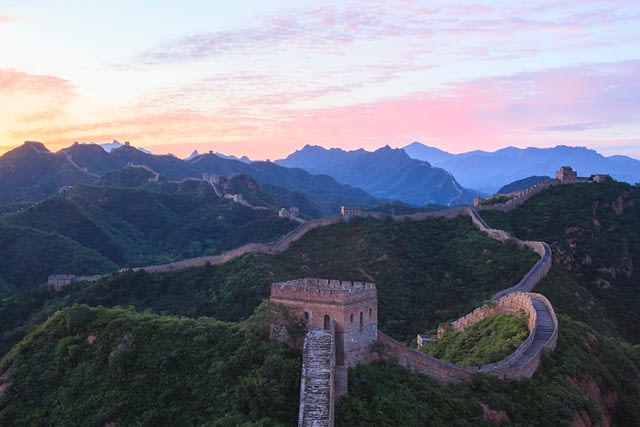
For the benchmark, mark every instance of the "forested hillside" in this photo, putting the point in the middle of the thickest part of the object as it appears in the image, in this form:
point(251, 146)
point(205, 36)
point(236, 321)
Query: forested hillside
point(96, 229)
point(94, 361)
point(426, 272)
point(96, 366)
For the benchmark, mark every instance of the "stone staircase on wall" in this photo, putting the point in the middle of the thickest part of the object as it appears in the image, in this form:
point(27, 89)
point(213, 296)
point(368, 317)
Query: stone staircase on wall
point(546, 332)
point(316, 381)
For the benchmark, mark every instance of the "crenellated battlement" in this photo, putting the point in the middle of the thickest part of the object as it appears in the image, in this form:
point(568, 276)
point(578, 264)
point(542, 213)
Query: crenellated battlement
point(323, 291)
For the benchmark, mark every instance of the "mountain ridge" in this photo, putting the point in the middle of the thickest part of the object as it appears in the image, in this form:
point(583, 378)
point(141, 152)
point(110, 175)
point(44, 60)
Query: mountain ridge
point(386, 173)
point(31, 172)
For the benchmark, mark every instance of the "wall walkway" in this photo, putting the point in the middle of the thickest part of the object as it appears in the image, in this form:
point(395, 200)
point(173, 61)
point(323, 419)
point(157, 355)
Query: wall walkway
point(278, 247)
point(517, 198)
point(539, 270)
point(522, 363)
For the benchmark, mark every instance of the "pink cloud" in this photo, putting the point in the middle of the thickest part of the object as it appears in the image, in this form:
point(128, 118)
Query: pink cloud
point(318, 29)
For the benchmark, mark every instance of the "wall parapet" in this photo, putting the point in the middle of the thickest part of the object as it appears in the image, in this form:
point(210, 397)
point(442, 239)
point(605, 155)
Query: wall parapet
point(517, 198)
point(280, 246)
point(523, 362)
point(538, 272)
point(535, 274)
point(322, 290)
point(512, 304)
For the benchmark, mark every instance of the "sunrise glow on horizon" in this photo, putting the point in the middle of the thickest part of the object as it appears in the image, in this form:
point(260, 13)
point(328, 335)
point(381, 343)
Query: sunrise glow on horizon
point(264, 78)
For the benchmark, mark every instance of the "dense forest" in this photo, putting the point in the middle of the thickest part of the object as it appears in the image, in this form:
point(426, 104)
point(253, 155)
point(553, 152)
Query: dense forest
point(95, 366)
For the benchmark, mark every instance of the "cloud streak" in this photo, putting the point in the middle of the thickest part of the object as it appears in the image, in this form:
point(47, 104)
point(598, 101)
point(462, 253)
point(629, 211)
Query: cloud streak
point(12, 80)
point(328, 29)
point(521, 109)
point(574, 127)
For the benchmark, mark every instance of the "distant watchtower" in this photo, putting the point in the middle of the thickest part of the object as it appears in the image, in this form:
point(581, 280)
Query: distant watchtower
point(566, 175)
point(351, 306)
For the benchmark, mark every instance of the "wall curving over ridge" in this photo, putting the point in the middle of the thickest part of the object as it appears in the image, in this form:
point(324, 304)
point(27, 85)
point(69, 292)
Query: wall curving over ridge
point(542, 322)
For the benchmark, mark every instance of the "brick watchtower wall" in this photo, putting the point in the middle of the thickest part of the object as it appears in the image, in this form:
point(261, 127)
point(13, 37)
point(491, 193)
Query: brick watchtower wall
point(353, 306)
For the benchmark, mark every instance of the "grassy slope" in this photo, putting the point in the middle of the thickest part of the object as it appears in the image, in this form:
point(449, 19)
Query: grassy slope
point(588, 377)
point(491, 339)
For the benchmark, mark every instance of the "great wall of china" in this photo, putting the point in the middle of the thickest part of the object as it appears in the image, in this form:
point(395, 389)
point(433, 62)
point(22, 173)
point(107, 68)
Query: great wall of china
point(319, 390)
point(297, 233)
point(319, 370)
point(410, 358)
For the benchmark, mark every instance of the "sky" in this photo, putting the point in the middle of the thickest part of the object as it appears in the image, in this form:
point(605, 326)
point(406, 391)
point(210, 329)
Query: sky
point(264, 78)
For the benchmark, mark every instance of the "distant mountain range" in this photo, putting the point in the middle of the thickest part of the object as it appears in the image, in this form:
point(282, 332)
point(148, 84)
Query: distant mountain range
point(488, 171)
point(31, 172)
point(316, 179)
point(243, 159)
point(385, 173)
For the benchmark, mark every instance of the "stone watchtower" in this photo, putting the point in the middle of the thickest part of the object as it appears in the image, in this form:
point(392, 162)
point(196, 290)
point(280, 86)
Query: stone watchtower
point(352, 307)
point(566, 175)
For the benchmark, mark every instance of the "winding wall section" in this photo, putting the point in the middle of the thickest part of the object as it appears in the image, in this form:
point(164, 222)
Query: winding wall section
point(279, 247)
point(542, 322)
